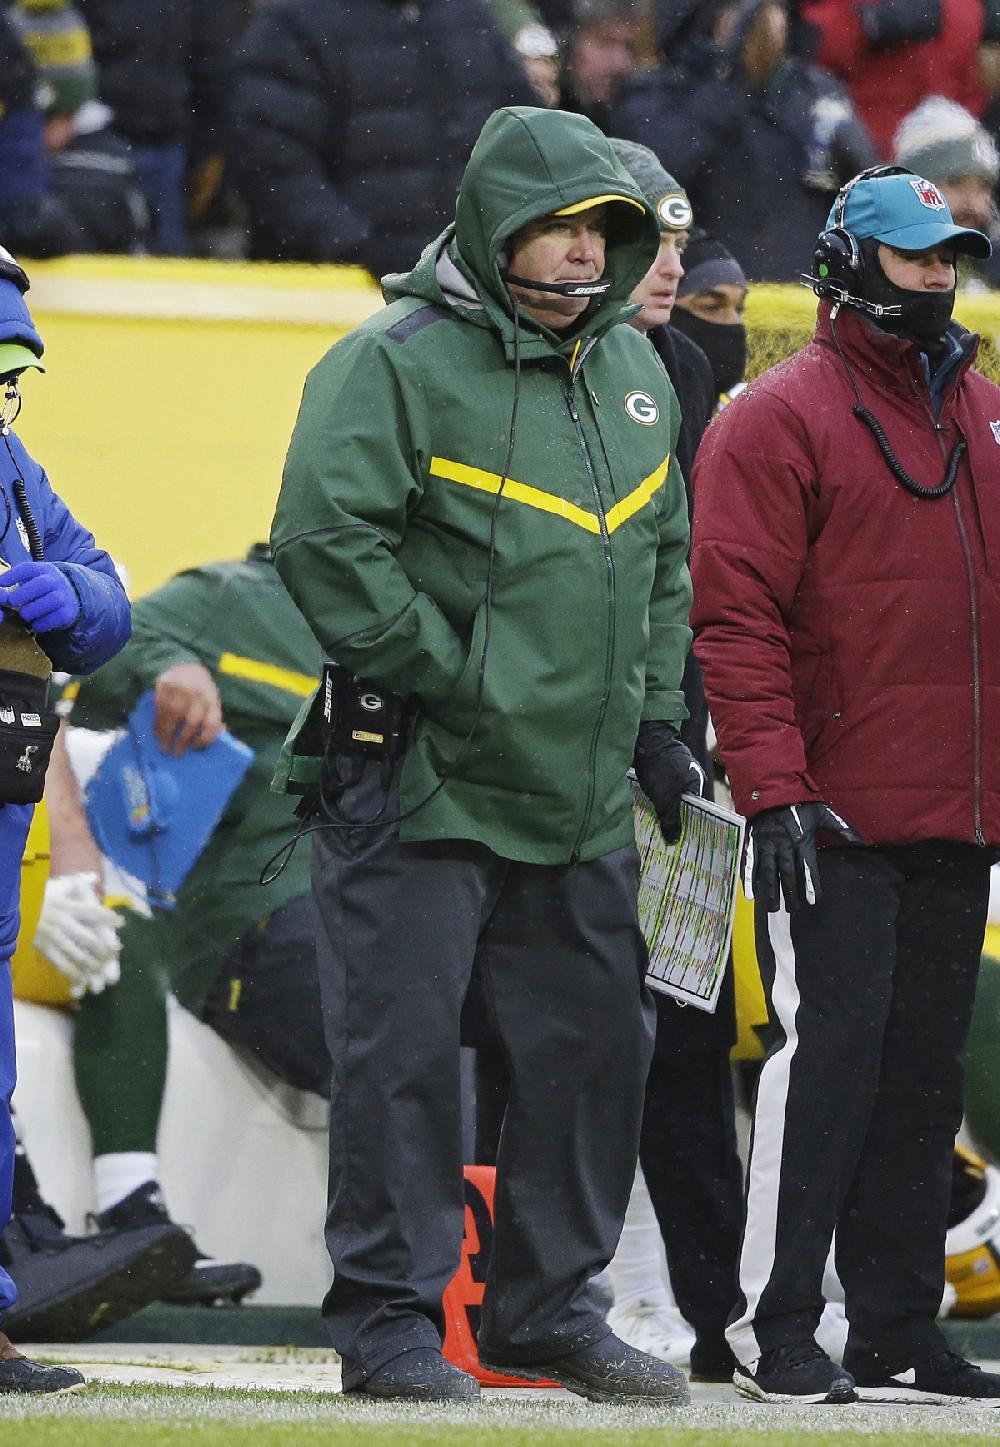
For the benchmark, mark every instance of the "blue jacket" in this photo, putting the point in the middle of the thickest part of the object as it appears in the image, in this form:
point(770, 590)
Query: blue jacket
point(101, 629)
point(105, 620)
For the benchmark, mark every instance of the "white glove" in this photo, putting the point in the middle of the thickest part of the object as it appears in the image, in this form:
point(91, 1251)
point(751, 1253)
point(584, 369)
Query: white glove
point(78, 934)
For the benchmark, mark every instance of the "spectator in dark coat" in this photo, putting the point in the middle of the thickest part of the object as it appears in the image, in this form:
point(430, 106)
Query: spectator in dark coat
point(760, 140)
point(32, 220)
point(600, 57)
point(91, 167)
point(162, 72)
point(352, 121)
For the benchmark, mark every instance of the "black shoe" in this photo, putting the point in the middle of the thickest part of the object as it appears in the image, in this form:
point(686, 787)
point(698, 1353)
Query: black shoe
point(944, 1378)
point(712, 1360)
point(69, 1287)
point(799, 1372)
point(208, 1281)
point(21, 1374)
point(605, 1371)
point(420, 1375)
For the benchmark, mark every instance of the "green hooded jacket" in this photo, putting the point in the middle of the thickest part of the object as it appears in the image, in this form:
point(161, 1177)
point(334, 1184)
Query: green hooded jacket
point(237, 619)
point(530, 688)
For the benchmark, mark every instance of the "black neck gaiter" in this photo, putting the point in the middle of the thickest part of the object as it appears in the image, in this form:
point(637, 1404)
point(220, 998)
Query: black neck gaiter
point(925, 315)
point(724, 344)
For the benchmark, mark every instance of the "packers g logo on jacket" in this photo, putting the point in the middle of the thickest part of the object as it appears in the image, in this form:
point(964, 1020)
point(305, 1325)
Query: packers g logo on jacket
point(641, 408)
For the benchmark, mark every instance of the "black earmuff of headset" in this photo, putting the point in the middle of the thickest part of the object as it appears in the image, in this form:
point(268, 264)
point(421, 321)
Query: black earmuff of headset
point(11, 271)
point(838, 263)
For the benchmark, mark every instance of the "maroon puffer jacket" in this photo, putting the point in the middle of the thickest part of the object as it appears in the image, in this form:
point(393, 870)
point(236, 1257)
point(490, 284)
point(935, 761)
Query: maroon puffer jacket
point(849, 632)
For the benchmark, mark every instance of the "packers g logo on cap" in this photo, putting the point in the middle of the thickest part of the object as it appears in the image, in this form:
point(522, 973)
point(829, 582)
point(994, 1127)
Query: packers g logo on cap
point(674, 212)
point(641, 408)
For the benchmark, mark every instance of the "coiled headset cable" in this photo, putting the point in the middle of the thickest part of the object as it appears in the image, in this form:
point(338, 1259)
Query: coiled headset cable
point(899, 472)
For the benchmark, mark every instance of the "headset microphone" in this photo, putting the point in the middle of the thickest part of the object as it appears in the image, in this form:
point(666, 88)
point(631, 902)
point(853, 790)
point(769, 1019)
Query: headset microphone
point(838, 292)
point(559, 288)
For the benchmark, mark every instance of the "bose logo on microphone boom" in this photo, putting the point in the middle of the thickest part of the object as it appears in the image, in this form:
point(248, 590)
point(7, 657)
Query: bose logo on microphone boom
point(584, 288)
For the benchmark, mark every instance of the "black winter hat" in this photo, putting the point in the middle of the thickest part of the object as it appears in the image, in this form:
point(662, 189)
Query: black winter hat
point(708, 263)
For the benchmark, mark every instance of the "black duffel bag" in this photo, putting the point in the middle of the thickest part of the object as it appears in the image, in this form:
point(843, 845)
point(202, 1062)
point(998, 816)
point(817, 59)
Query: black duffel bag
point(28, 729)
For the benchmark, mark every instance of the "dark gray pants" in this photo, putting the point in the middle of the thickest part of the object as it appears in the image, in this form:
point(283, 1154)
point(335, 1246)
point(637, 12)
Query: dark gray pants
point(562, 958)
point(859, 1101)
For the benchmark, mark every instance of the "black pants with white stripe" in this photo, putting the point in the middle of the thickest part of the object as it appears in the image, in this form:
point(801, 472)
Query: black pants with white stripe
point(859, 1100)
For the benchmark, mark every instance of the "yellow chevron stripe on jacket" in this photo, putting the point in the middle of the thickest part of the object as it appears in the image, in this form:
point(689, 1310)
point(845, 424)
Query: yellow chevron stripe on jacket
point(475, 477)
point(257, 671)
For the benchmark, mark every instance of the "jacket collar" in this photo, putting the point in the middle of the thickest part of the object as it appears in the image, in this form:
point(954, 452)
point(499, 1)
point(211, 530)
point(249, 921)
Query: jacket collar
point(891, 364)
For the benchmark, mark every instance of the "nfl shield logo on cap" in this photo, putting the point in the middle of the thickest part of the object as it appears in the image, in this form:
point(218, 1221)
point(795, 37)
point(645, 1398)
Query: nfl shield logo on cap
point(929, 195)
point(995, 429)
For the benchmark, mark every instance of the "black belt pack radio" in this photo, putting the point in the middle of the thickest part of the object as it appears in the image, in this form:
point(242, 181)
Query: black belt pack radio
point(360, 717)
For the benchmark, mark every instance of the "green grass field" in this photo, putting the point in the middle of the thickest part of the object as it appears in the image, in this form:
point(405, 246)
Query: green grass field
point(151, 1416)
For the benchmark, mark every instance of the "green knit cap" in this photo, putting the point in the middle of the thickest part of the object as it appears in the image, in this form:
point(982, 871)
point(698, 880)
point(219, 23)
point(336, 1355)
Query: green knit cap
point(665, 196)
point(56, 34)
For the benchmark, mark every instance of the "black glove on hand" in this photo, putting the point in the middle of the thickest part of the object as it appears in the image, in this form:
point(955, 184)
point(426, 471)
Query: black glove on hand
point(894, 22)
point(781, 851)
point(666, 769)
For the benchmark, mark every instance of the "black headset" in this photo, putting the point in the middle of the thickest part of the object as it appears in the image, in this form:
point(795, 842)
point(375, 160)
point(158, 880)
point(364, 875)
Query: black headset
point(11, 271)
point(838, 263)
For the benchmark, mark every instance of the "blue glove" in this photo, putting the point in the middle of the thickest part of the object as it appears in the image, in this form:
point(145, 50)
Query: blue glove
point(42, 594)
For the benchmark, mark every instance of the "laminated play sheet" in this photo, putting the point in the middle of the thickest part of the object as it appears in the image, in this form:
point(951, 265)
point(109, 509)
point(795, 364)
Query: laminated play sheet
point(687, 897)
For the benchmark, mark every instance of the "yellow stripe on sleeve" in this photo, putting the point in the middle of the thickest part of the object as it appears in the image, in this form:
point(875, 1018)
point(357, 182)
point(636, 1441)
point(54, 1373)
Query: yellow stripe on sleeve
point(257, 671)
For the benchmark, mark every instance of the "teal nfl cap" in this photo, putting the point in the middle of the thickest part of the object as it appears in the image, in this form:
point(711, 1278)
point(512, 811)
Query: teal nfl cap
point(905, 211)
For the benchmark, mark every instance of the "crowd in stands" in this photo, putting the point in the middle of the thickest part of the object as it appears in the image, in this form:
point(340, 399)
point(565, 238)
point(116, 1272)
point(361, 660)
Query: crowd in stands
point(336, 130)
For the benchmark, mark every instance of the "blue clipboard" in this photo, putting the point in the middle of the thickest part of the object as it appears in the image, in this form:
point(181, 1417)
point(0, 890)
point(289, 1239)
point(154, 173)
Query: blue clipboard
point(151, 813)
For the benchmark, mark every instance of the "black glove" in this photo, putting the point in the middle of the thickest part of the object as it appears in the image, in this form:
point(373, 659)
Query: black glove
point(666, 769)
point(781, 851)
point(894, 22)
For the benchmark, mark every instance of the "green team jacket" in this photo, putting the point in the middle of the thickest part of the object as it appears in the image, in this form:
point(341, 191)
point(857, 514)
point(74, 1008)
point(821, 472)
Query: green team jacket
point(238, 620)
point(390, 491)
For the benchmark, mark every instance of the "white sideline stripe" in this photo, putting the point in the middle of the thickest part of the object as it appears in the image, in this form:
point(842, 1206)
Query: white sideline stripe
point(759, 1237)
